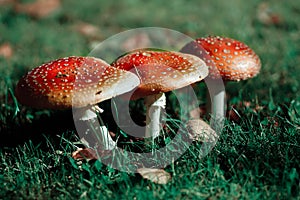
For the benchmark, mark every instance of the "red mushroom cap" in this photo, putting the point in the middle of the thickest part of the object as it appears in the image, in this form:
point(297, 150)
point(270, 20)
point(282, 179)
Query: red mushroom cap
point(162, 71)
point(233, 59)
point(73, 81)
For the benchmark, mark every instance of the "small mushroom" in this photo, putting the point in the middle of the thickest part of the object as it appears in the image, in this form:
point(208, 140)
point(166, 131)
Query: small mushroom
point(160, 72)
point(228, 60)
point(75, 82)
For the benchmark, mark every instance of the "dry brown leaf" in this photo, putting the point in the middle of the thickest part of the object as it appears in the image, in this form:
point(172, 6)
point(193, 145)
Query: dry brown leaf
point(158, 176)
point(39, 8)
point(89, 30)
point(6, 50)
point(89, 154)
point(6, 2)
point(199, 130)
point(233, 115)
point(84, 154)
point(266, 16)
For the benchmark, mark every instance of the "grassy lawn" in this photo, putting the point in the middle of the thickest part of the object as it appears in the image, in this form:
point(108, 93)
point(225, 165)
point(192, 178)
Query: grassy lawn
point(257, 155)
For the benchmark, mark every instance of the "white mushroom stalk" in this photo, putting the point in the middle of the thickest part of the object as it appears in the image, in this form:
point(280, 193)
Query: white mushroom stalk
point(95, 130)
point(218, 106)
point(155, 106)
point(160, 72)
point(216, 101)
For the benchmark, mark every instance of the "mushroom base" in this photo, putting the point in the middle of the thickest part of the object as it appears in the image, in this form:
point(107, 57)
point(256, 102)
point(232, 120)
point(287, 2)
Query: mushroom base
point(95, 134)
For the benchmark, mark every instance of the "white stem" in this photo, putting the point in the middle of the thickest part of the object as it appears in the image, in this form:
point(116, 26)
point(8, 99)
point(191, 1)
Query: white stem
point(96, 134)
point(155, 104)
point(84, 114)
point(216, 105)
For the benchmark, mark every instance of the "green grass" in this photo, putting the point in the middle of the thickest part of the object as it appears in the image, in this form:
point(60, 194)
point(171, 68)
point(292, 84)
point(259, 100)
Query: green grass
point(257, 155)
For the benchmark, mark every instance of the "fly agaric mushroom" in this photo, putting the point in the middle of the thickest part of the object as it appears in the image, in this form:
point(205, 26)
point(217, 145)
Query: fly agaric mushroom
point(227, 59)
point(159, 72)
point(75, 82)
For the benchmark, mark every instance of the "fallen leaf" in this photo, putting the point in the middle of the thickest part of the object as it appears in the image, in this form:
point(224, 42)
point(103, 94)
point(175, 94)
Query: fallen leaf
point(158, 176)
point(6, 2)
point(84, 154)
point(6, 50)
point(89, 154)
point(267, 16)
point(199, 130)
point(234, 115)
point(39, 8)
point(89, 30)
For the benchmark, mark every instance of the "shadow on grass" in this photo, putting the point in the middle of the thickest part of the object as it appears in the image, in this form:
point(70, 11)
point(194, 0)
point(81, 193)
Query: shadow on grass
point(33, 126)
